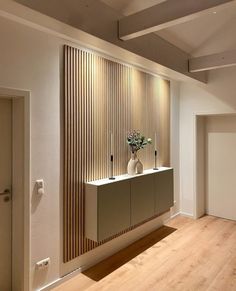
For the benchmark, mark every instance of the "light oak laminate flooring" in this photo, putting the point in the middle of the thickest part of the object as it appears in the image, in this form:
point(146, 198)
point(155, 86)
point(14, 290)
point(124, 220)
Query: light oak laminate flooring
point(184, 255)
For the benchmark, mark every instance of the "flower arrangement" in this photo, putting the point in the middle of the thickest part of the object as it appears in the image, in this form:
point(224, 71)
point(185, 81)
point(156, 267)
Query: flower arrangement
point(137, 141)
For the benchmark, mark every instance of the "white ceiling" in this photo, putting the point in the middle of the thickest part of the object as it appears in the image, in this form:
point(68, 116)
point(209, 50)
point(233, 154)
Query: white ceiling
point(192, 36)
point(132, 6)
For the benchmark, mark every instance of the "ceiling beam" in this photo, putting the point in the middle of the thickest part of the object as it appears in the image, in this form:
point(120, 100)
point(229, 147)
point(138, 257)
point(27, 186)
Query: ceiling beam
point(163, 15)
point(214, 61)
point(99, 20)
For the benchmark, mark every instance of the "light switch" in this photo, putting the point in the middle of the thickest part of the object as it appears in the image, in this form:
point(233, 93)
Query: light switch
point(40, 186)
point(43, 264)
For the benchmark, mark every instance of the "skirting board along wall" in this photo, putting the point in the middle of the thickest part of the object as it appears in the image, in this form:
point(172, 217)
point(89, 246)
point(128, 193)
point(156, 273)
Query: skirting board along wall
point(102, 96)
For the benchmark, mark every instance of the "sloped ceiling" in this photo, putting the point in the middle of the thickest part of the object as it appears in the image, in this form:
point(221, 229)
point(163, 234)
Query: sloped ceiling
point(192, 35)
point(129, 7)
point(171, 47)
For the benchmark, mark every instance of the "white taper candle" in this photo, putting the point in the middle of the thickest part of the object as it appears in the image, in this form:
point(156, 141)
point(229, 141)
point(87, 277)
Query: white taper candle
point(112, 144)
point(155, 141)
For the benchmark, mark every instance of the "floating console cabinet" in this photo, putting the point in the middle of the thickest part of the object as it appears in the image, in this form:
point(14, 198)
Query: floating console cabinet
point(112, 206)
point(142, 198)
point(163, 189)
point(107, 209)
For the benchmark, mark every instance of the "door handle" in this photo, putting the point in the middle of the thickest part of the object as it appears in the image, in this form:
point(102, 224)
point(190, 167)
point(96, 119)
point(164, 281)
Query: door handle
point(5, 192)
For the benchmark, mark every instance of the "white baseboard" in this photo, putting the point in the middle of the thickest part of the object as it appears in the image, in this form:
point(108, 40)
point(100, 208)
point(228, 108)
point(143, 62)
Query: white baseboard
point(62, 280)
point(171, 217)
point(174, 215)
point(186, 214)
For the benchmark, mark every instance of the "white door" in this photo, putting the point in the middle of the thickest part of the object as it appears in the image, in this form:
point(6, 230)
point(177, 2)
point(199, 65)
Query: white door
point(221, 167)
point(5, 199)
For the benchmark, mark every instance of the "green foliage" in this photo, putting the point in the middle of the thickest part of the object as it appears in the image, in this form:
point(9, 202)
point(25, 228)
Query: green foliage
point(137, 141)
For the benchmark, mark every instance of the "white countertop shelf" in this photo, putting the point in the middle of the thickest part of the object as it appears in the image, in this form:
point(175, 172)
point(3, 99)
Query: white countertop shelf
point(126, 177)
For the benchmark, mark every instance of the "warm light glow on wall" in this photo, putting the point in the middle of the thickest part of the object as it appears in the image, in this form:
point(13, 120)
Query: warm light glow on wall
point(102, 96)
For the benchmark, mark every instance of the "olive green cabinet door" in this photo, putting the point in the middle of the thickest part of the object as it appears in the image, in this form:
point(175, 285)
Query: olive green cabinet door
point(142, 198)
point(113, 209)
point(164, 192)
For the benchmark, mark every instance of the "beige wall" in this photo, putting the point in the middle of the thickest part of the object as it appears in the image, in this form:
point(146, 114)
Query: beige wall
point(18, 193)
point(200, 166)
point(221, 166)
point(174, 141)
point(217, 97)
point(32, 60)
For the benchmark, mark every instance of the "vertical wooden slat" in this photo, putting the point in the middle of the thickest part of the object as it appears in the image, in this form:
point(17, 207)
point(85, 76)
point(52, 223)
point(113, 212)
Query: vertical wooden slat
point(80, 143)
point(102, 96)
point(74, 152)
point(65, 196)
point(69, 156)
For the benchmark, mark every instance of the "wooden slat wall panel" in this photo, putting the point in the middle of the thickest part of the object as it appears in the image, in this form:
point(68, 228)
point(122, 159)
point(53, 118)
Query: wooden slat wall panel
point(102, 96)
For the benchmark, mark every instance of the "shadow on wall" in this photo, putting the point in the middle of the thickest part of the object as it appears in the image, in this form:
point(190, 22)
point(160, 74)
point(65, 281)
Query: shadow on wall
point(114, 262)
point(222, 84)
point(35, 199)
point(40, 277)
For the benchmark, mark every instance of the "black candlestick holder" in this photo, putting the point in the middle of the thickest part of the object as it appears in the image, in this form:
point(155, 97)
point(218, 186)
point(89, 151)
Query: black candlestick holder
point(155, 165)
point(111, 169)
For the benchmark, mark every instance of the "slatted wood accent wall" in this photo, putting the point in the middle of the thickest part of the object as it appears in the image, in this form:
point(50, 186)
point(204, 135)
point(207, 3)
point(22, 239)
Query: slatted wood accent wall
point(102, 96)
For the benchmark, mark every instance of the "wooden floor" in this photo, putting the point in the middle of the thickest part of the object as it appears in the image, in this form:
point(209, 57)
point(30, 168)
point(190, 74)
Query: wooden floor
point(186, 254)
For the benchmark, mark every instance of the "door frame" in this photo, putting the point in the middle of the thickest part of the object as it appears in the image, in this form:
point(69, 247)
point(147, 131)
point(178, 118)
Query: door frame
point(199, 199)
point(14, 94)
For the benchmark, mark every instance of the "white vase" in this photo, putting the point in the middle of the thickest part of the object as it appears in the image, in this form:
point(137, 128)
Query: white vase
point(139, 167)
point(131, 168)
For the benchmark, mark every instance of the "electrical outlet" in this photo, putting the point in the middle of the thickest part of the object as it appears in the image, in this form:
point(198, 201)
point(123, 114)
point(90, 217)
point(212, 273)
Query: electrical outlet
point(43, 264)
